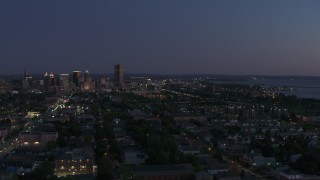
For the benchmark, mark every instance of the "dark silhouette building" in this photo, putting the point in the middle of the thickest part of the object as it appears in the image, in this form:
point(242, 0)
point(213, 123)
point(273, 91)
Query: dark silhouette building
point(64, 82)
point(27, 80)
point(76, 77)
point(119, 75)
point(49, 82)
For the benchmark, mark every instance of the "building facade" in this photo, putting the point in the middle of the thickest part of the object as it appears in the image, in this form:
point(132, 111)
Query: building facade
point(74, 162)
point(64, 82)
point(36, 140)
point(87, 84)
point(76, 75)
point(119, 76)
point(49, 82)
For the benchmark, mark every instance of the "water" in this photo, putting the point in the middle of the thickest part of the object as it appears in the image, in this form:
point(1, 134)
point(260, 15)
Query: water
point(304, 87)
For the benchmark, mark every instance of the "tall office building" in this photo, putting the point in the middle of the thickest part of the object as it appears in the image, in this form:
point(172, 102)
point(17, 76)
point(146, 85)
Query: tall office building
point(87, 85)
point(27, 80)
point(102, 83)
point(119, 75)
point(49, 82)
point(86, 76)
point(64, 82)
point(76, 77)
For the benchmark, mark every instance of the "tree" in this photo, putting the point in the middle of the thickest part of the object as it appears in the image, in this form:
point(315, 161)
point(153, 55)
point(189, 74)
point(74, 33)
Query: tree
point(44, 171)
point(104, 169)
point(309, 162)
point(51, 145)
point(61, 142)
point(242, 174)
point(74, 128)
point(282, 153)
point(88, 139)
point(218, 156)
point(215, 177)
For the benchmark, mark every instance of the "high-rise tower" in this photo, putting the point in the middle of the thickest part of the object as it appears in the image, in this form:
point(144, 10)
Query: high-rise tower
point(87, 85)
point(64, 81)
point(76, 77)
point(49, 82)
point(26, 80)
point(119, 75)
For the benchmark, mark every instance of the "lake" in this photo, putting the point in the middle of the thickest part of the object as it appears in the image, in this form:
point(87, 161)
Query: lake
point(304, 87)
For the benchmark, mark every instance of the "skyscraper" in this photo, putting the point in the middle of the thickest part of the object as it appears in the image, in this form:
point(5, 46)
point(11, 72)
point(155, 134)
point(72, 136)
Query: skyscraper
point(119, 75)
point(64, 82)
point(27, 80)
point(87, 85)
point(49, 82)
point(76, 77)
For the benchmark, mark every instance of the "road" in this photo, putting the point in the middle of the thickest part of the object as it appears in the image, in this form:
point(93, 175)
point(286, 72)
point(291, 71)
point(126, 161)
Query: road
point(11, 143)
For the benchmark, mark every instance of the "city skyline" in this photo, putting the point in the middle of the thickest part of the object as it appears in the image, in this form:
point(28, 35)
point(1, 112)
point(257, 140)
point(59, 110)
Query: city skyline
point(181, 37)
point(167, 89)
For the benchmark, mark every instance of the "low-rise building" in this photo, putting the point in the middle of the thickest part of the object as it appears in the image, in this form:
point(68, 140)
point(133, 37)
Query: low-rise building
point(74, 162)
point(36, 140)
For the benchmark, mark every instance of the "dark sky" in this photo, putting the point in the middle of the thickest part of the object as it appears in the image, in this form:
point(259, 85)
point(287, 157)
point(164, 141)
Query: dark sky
point(268, 37)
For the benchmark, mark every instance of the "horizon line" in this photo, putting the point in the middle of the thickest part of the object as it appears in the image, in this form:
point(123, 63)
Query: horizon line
point(177, 74)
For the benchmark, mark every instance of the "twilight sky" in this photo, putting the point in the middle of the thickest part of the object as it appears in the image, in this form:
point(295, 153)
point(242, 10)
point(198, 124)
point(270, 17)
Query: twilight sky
point(268, 37)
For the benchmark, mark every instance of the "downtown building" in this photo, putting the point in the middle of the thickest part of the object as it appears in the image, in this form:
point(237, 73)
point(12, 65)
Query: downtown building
point(119, 76)
point(49, 82)
point(26, 81)
point(76, 76)
point(64, 82)
point(87, 84)
point(54, 84)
